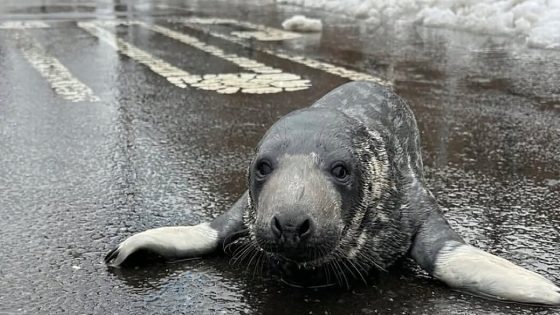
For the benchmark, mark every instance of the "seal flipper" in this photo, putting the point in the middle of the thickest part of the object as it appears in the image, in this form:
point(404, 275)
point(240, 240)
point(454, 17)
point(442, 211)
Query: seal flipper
point(441, 251)
point(178, 242)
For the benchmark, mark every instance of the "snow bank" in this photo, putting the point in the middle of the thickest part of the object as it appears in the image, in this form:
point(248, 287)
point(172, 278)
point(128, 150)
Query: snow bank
point(300, 23)
point(538, 21)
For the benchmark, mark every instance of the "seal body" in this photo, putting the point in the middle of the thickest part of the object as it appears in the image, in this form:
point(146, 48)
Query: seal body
point(339, 186)
point(363, 223)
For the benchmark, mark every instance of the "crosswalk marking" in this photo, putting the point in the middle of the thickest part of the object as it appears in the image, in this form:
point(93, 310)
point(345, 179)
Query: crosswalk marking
point(173, 74)
point(20, 25)
point(262, 79)
point(56, 74)
point(256, 77)
point(259, 32)
point(195, 23)
point(245, 63)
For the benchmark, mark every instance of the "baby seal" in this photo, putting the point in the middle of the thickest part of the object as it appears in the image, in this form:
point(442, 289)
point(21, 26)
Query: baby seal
point(340, 185)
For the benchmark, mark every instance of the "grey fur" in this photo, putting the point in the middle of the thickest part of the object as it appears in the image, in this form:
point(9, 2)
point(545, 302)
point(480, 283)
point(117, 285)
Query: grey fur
point(384, 212)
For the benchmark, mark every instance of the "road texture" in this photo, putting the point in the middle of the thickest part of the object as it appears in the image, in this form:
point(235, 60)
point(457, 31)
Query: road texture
point(116, 117)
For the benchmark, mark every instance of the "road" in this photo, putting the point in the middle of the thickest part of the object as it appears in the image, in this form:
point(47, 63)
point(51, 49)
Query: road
point(116, 117)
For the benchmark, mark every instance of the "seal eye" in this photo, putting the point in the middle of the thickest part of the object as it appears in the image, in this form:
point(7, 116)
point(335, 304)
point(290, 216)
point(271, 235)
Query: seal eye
point(339, 172)
point(264, 168)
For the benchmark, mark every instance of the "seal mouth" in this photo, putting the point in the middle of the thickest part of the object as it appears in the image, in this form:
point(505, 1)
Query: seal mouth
point(308, 258)
point(311, 267)
point(311, 273)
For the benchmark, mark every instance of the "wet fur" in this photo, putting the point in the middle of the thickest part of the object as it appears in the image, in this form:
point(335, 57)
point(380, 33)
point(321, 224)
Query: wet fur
point(392, 214)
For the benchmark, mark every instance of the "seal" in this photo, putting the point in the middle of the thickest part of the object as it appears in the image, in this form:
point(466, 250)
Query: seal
point(340, 186)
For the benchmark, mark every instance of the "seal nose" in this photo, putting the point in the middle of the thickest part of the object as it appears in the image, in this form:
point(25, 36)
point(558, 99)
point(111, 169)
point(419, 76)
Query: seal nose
point(291, 229)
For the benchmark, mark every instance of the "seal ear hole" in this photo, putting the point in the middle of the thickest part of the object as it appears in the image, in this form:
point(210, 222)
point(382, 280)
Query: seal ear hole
point(264, 168)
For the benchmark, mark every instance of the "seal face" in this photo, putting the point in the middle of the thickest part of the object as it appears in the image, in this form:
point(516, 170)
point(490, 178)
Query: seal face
point(323, 197)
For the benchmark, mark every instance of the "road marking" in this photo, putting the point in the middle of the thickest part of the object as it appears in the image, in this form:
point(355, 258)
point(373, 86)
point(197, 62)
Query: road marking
point(58, 76)
point(259, 78)
point(260, 32)
point(173, 74)
point(242, 62)
point(21, 25)
point(262, 79)
point(309, 62)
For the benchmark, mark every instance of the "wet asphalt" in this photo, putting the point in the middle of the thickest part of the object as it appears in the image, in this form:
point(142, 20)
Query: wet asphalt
point(77, 177)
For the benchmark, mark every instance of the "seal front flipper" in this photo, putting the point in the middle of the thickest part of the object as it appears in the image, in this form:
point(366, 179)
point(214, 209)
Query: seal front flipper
point(441, 252)
point(178, 242)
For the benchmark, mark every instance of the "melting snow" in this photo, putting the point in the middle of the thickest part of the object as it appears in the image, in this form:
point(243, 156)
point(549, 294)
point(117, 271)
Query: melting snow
point(300, 23)
point(538, 21)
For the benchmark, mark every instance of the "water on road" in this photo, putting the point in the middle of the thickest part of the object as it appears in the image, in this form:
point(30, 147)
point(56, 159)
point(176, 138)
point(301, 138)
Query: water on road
point(116, 117)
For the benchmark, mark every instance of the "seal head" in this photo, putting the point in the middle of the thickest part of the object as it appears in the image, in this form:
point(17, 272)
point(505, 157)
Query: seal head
point(313, 186)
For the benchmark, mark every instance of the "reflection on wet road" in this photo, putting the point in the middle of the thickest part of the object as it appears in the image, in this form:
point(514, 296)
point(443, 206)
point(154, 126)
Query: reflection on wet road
point(107, 129)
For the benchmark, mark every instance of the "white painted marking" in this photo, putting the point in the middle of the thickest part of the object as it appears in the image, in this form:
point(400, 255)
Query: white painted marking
point(259, 32)
point(262, 80)
point(482, 273)
point(330, 68)
point(173, 242)
point(58, 76)
point(173, 74)
point(242, 62)
point(309, 62)
point(21, 25)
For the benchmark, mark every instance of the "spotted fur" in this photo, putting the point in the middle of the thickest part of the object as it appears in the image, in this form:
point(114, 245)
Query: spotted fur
point(387, 213)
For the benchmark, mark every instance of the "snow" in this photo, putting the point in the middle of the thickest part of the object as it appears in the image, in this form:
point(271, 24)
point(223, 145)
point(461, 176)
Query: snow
point(537, 21)
point(300, 23)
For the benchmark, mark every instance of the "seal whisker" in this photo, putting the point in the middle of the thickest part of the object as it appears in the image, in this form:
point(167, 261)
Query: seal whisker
point(334, 270)
point(242, 253)
point(263, 262)
point(370, 259)
point(259, 255)
point(347, 268)
point(328, 266)
point(252, 252)
point(226, 243)
point(255, 255)
point(358, 270)
point(341, 271)
point(238, 250)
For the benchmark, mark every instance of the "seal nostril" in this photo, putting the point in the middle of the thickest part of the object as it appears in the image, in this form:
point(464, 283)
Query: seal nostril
point(305, 228)
point(290, 228)
point(276, 227)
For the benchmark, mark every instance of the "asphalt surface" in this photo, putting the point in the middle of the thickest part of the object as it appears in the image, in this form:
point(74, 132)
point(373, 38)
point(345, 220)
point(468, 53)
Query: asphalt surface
point(99, 141)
